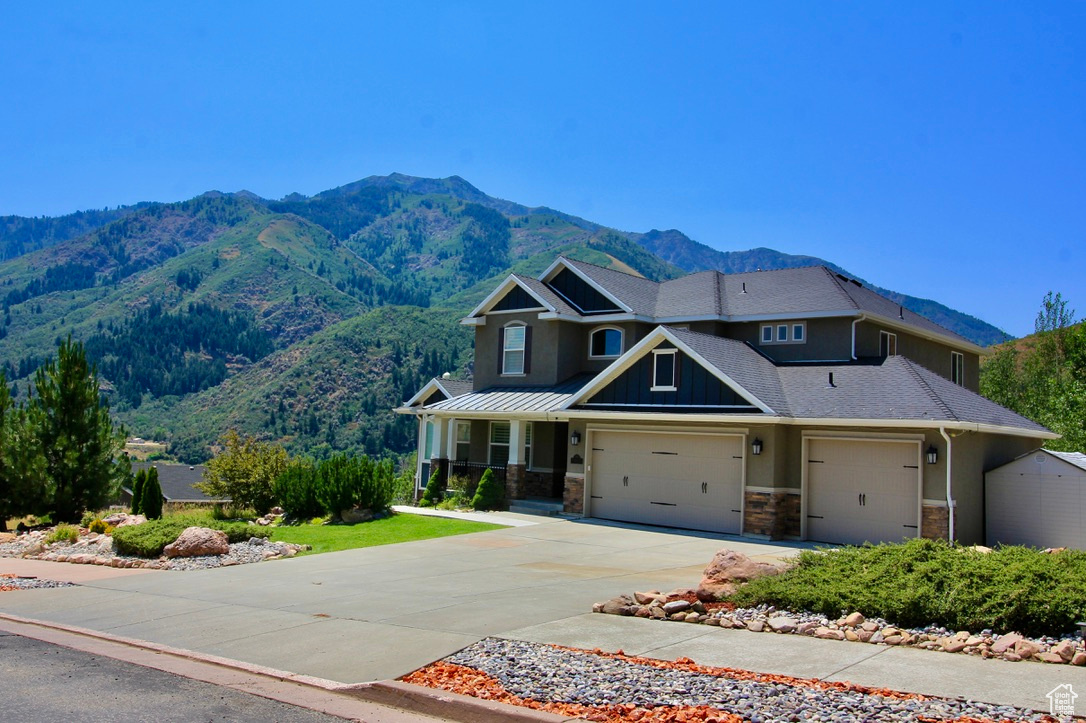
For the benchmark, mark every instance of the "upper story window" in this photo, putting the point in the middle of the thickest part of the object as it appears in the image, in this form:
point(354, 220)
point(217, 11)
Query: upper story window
point(665, 370)
point(514, 349)
point(887, 344)
point(957, 368)
point(605, 343)
point(793, 332)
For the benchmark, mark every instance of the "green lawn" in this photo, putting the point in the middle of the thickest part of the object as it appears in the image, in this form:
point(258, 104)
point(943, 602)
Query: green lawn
point(398, 528)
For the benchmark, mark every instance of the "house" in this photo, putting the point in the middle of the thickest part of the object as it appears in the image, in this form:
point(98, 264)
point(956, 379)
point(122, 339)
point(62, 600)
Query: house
point(177, 482)
point(793, 403)
point(1038, 499)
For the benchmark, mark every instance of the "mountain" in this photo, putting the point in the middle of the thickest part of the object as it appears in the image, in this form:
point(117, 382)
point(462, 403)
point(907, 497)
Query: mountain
point(304, 319)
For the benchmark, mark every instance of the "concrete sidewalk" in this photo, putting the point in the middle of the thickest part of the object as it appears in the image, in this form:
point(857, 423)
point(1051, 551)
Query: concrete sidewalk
point(380, 612)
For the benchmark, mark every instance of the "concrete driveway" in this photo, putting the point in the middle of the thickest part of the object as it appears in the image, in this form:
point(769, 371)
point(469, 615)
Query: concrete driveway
point(381, 612)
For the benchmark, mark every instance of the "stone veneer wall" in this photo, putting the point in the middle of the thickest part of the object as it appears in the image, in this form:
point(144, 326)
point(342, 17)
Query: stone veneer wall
point(573, 495)
point(514, 482)
point(772, 514)
point(934, 523)
point(539, 484)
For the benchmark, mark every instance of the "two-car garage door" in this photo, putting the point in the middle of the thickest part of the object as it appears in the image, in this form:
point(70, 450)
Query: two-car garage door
point(678, 480)
point(862, 490)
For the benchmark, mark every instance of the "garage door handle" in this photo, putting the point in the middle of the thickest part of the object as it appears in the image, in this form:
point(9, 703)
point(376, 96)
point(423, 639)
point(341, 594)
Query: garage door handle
point(665, 504)
point(910, 526)
point(597, 497)
point(673, 453)
point(911, 466)
point(815, 517)
point(815, 461)
point(737, 510)
point(626, 481)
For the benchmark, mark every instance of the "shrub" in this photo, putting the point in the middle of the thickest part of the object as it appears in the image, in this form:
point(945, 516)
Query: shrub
point(63, 533)
point(244, 472)
point(88, 518)
point(151, 498)
point(296, 490)
point(98, 526)
point(403, 486)
point(923, 582)
point(344, 482)
point(435, 491)
point(150, 538)
point(489, 495)
point(138, 485)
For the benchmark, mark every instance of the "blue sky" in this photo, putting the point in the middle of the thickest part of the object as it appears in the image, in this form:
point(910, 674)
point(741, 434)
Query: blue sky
point(938, 149)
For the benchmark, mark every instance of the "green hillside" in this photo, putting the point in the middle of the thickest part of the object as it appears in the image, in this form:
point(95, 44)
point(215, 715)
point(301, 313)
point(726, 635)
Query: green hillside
point(304, 320)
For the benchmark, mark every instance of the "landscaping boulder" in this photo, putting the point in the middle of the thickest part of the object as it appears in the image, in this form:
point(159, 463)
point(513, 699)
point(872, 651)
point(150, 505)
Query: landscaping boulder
point(354, 515)
point(728, 571)
point(7, 537)
point(130, 520)
point(198, 541)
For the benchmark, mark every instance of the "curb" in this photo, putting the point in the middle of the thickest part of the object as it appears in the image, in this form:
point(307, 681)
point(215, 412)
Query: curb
point(377, 701)
point(446, 705)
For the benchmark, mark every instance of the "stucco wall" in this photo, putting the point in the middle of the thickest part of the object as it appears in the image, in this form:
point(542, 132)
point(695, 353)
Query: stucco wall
point(929, 354)
point(827, 340)
point(973, 455)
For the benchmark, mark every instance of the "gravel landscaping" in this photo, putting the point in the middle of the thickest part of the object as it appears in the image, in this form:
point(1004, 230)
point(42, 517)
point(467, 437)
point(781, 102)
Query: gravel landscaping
point(14, 582)
point(616, 687)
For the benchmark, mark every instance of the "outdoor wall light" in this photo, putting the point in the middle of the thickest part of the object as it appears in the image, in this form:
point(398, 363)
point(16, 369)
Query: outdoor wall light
point(933, 454)
point(756, 446)
point(575, 438)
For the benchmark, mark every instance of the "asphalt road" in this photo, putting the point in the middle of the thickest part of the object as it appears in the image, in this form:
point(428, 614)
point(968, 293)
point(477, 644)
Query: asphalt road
point(48, 683)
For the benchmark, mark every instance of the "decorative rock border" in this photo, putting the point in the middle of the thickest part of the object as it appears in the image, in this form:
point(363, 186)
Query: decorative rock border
point(683, 606)
point(97, 549)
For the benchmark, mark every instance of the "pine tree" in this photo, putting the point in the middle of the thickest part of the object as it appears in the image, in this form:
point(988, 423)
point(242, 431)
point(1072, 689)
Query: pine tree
point(82, 465)
point(21, 482)
point(137, 492)
point(152, 496)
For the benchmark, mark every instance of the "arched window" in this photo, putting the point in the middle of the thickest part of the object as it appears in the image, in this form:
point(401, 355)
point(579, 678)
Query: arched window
point(514, 349)
point(605, 343)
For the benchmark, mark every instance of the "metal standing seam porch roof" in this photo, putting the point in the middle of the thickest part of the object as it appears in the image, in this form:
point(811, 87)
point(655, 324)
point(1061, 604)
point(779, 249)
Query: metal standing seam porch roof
point(528, 400)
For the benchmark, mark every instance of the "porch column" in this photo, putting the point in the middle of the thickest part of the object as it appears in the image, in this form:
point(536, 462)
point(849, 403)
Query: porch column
point(439, 454)
point(514, 468)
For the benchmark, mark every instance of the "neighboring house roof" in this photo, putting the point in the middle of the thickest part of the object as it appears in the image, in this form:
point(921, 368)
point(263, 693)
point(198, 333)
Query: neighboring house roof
point(514, 399)
point(449, 387)
point(177, 480)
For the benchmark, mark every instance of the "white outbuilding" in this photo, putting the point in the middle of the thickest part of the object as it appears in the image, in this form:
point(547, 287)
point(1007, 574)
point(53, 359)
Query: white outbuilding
point(1038, 499)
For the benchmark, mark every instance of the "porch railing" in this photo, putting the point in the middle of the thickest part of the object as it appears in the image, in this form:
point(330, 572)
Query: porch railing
point(472, 472)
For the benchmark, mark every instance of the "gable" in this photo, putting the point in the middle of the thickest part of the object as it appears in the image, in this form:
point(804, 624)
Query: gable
point(581, 294)
point(517, 299)
point(695, 386)
point(437, 396)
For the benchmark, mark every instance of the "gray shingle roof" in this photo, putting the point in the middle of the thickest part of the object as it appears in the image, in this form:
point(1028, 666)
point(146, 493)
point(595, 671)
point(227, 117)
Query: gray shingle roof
point(735, 359)
point(795, 291)
point(455, 387)
point(636, 292)
point(896, 389)
point(544, 292)
point(177, 480)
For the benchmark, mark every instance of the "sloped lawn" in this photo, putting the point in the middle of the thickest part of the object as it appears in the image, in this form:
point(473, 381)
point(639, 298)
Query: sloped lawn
point(386, 531)
point(924, 582)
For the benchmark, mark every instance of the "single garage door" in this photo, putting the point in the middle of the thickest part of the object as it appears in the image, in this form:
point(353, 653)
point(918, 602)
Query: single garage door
point(862, 491)
point(1036, 501)
point(690, 481)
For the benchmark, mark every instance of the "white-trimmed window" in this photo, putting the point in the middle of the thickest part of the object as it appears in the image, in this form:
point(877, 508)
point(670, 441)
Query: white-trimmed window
point(887, 344)
point(463, 441)
point(428, 445)
point(957, 368)
point(605, 343)
point(513, 349)
point(665, 363)
point(790, 332)
point(499, 444)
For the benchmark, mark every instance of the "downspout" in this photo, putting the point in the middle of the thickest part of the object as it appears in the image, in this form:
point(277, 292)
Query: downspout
point(950, 503)
point(856, 321)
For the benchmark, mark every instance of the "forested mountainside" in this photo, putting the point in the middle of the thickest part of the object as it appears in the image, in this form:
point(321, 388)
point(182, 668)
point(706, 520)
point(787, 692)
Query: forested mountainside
point(304, 320)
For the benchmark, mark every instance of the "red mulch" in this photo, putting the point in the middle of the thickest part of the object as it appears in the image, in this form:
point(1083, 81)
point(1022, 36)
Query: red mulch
point(469, 681)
